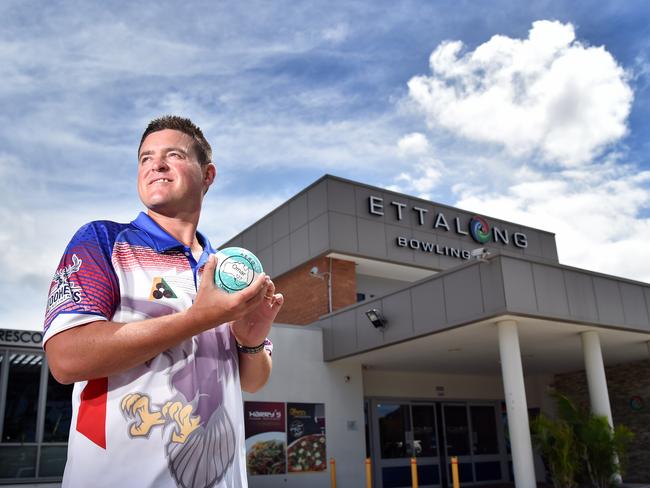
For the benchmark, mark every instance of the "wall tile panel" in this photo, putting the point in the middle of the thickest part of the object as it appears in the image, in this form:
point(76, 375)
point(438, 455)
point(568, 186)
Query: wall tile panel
point(551, 293)
point(634, 307)
point(397, 310)
point(343, 232)
point(608, 301)
point(298, 212)
point(463, 295)
point(582, 301)
point(317, 200)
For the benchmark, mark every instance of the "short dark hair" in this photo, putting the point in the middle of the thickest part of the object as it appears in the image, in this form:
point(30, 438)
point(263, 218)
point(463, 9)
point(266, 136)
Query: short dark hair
point(186, 126)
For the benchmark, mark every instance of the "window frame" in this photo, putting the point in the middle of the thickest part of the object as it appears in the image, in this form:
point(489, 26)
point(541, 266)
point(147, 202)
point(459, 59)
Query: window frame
point(5, 354)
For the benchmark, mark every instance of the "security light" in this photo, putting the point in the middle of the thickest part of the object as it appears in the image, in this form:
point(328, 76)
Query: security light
point(314, 272)
point(376, 318)
point(480, 254)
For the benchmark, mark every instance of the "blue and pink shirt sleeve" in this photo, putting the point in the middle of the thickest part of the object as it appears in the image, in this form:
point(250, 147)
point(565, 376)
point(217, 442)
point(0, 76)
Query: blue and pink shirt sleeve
point(84, 287)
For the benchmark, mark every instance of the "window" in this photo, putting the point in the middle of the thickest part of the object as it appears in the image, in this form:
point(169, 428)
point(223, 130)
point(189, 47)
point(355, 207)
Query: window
point(35, 413)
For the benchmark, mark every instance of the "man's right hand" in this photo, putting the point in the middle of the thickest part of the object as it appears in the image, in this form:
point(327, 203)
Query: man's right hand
point(213, 306)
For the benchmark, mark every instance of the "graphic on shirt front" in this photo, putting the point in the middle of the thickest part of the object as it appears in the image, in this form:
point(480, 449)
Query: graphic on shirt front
point(138, 406)
point(161, 289)
point(173, 284)
point(200, 436)
point(65, 289)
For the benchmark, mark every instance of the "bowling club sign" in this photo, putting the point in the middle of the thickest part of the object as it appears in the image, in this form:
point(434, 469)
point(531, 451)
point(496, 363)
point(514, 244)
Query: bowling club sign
point(477, 228)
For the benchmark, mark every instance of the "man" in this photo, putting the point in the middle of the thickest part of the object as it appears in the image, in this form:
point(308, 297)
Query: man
point(157, 352)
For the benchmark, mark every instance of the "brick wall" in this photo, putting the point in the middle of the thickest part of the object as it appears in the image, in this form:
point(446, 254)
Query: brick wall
point(624, 381)
point(306, 296)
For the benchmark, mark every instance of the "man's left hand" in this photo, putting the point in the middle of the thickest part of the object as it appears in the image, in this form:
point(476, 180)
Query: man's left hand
point(252, 329)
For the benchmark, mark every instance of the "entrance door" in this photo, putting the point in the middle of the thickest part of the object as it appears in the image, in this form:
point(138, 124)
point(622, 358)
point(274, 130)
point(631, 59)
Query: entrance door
point(471, 434)
point(405, 430)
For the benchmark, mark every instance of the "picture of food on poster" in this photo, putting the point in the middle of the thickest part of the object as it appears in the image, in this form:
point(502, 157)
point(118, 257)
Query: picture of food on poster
point(306, 437)
point(266, 438)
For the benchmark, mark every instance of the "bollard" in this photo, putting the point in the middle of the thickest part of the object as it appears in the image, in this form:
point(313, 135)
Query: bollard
point(368, 473)
point(414, 473)
point(454, 471)
point(332, 472)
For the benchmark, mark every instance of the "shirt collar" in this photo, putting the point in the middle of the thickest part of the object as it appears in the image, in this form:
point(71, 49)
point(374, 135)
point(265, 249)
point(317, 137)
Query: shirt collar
point(161, 240)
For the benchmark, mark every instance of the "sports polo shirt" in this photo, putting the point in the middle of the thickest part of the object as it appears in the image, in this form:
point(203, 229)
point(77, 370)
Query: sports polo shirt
point(175, 421)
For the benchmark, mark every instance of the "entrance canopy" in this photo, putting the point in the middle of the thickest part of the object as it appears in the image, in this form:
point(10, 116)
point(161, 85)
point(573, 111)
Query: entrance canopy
point(547, 347)
point(446, 323)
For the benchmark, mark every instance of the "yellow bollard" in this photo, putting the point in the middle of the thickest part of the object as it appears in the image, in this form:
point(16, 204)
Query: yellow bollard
point(414, 473)
point(368, 473)
point(332, 472)
point(454, 472)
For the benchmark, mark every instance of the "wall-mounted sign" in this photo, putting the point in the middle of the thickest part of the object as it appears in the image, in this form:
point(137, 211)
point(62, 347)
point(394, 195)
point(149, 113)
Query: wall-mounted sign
point(425, 246)
point(306, 436)
point(477, 228)
point(10, 337)
point(266, 438)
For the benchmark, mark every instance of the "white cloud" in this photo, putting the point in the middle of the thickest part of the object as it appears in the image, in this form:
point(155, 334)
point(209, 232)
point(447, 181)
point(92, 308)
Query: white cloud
point(595, 212)
point(548, 95)
point(413, 144)
point(336, 34)
point(420, 180)
point(423, 172)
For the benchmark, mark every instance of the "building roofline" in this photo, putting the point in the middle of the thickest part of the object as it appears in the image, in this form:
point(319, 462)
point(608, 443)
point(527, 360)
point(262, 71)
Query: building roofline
point(328, 176)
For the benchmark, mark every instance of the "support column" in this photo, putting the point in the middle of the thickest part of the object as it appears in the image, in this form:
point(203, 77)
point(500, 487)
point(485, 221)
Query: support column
point(513, 385)
point(596, 381)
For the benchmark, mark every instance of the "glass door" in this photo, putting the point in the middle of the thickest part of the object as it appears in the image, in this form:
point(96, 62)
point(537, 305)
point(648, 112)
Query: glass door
point(405, 430)
point(457, 440)
point(425, 444)
point(471, 434)
point(486, 455)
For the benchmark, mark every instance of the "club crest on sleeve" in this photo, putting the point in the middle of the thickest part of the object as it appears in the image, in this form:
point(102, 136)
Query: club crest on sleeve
point(64, 289)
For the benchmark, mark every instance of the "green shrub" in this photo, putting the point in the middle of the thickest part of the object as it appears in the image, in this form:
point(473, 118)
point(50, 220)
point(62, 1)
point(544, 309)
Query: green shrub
point(581, 445)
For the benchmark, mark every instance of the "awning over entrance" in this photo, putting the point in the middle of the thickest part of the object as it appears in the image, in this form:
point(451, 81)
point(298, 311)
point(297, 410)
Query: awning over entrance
point(539, 294)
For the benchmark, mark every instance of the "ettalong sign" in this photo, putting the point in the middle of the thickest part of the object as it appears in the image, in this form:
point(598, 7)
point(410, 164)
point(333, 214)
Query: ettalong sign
point(477, 228)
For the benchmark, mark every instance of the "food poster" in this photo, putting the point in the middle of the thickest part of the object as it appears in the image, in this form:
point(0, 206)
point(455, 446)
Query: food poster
point(306, 437)
point(266, 438)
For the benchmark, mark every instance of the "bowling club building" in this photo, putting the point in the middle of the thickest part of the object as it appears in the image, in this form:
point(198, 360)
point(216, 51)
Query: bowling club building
point(410, 329)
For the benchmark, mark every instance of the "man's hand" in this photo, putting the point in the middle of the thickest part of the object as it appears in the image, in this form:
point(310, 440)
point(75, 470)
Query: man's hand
point(251, 329)
point(213, 306)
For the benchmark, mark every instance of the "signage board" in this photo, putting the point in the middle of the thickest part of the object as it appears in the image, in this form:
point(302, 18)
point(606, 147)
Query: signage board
point(26, 338)
point(266, 438)
point(306, 451)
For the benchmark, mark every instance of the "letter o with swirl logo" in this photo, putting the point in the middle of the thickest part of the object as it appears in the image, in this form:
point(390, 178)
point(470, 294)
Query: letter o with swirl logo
point(479, 229)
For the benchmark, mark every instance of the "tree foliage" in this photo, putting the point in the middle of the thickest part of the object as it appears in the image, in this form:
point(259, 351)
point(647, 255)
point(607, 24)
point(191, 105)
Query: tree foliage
point(579, 445)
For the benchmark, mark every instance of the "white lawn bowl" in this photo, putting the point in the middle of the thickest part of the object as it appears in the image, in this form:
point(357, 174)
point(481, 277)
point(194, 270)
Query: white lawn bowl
point(236, 268)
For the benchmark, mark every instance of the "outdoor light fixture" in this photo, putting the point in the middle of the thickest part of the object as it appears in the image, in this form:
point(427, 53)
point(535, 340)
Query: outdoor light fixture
point(315, 273)
point(480, 254)
point(376, 318)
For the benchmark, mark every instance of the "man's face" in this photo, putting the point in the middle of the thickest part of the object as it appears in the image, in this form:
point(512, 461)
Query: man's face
point(170, 178)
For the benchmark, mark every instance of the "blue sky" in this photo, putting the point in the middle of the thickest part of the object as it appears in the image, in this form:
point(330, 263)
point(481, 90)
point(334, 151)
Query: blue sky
point(534, 112)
